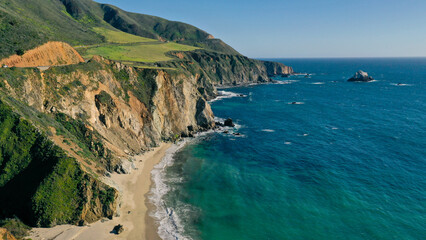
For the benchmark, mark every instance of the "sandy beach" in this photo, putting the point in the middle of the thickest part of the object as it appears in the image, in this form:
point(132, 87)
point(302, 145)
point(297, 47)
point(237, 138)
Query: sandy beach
point(133, 188)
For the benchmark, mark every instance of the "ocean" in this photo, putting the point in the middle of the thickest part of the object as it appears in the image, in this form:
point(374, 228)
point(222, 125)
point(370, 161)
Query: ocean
point(348, 161)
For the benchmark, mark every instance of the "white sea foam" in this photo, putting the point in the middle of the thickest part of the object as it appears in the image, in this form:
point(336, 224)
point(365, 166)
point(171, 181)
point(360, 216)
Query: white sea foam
point(226, 94)
point(296, 103)
point(268, 130)
point(401, 84)
point(286, 81)
point(224, 128)
point(170, 225)
point(318, 83)
point(288, 143)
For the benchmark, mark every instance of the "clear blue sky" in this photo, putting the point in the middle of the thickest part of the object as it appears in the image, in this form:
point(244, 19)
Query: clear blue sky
point(302, 28)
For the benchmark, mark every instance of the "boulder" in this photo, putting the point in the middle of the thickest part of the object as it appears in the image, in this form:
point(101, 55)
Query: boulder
point(118, 229)
point(360, 76)
point(229, 123)
point(83, 223)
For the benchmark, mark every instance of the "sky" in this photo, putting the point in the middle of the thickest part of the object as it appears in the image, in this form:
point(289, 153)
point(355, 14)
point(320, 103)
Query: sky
point(301, 28)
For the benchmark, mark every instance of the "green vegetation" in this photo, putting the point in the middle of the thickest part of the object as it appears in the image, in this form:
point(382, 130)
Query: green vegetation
point(39, 183)
point(15, 76)
point(105, 99)
point(131, 48)
point(137, 52)
point(88, 140)
point(17, 228)
point(31, 166)
point(160, 28)
point(56, 201)
point(25, 24)
point(143, 89)
point(116, 36)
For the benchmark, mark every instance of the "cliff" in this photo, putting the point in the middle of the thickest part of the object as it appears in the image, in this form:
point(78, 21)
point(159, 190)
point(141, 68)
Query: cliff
point(225, 69)
point(82, 121)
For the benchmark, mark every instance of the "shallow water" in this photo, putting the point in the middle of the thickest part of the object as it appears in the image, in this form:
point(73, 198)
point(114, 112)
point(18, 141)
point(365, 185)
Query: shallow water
point(348, 162)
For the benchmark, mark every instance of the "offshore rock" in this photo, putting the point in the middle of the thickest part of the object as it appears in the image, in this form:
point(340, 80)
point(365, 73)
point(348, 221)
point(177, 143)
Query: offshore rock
point(229, 123)
point(360, 76)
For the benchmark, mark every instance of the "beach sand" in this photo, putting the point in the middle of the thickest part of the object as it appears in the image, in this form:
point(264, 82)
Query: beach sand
point(134, 188)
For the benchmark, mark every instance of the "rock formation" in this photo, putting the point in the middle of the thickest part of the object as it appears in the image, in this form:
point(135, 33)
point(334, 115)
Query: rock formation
point(360, 76)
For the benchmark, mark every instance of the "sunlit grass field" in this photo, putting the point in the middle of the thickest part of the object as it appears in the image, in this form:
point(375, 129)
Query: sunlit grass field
point(126, 47)
point(113, 36)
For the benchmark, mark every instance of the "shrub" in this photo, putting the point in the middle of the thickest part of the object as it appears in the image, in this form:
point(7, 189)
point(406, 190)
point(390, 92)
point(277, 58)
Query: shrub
point(17, 228)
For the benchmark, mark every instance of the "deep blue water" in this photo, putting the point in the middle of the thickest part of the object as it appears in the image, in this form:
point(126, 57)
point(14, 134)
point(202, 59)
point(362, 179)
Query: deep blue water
point(347, 163)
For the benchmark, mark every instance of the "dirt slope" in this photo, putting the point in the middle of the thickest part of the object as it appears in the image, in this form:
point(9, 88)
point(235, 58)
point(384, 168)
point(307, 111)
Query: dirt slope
point(5, 235)
point(49, 54)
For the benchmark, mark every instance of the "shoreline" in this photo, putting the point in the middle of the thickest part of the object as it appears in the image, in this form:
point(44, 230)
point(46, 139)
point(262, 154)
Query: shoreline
point(133, 211)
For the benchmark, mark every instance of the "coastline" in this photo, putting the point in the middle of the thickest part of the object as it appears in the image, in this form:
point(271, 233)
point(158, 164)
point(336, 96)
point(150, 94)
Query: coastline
point(133, 210)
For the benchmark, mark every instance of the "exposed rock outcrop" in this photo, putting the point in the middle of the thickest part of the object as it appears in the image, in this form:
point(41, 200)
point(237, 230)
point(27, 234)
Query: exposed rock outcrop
point(220, 69)
point(49, 54)
point(360, 76)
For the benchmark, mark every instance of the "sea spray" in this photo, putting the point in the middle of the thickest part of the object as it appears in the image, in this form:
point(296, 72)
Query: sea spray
point(170, 224)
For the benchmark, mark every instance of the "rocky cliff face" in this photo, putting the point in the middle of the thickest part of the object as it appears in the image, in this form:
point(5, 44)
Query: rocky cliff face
point(226, 69)
point(99, 113)
point(49, 54)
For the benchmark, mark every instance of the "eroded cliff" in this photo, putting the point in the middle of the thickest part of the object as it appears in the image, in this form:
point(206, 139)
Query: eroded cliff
point(99, 114)
point(226, 69)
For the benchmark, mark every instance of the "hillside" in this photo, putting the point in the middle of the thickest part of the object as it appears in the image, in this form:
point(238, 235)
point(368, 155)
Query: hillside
point(25, 24)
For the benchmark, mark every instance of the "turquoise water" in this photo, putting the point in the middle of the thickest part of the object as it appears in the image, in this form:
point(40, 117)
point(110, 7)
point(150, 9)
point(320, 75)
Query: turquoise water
point(348, 162)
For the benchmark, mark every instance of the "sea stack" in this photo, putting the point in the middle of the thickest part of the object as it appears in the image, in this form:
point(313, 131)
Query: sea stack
point(360, 76)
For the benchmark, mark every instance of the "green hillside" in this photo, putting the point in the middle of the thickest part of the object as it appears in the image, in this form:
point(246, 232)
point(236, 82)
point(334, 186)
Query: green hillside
point(132, 49)
point(25, 24)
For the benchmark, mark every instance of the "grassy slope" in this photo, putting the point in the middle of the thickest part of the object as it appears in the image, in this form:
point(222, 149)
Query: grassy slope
point(36, 175)
point(137, 52)
point(117, 36)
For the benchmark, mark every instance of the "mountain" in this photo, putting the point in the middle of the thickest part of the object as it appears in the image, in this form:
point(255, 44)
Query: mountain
point(85, 86)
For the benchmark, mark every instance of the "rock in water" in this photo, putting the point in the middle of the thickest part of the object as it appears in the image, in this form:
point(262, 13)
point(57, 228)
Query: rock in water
point(118, 229)
point(360, 76)
point(229, 123)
